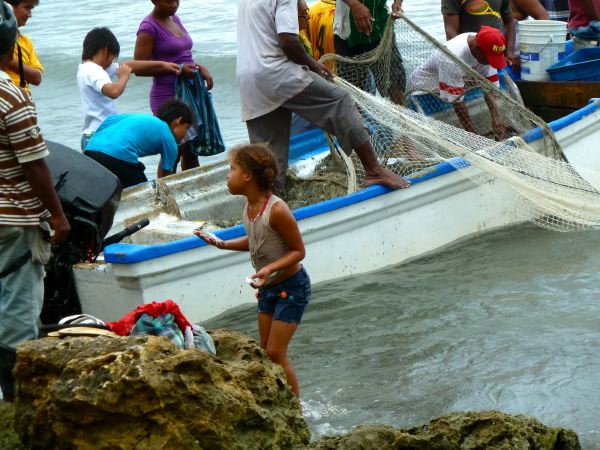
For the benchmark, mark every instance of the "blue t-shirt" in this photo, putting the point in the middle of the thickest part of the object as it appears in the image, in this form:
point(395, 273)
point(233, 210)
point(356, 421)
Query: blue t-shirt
point(130, 136)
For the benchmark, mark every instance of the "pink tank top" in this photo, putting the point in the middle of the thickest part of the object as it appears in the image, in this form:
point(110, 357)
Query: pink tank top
point(265, 244)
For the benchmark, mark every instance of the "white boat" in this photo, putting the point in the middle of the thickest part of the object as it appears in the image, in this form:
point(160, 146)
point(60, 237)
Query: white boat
point(345, 236)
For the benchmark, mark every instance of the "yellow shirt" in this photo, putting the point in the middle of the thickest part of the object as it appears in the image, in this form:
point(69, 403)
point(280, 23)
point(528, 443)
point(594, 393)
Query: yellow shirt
point(29, 59)
point(320, 27)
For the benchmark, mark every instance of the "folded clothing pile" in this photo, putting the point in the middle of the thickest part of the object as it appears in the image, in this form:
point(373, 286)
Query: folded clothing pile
point(590, 32)
point(164, 319)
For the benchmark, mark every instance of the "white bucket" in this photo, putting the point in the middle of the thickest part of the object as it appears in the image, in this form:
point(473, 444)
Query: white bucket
point(541, 44)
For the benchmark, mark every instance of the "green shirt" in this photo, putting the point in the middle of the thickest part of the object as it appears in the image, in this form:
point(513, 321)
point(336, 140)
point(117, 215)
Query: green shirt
point(380, 13)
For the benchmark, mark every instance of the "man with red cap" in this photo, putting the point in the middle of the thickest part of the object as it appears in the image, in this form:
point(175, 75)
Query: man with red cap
point(467, 16)
point(484, 53)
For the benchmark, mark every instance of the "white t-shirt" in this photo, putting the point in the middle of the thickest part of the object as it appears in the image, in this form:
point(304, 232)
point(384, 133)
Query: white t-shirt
point(341, 19)
point(266, 77)
point(440, 73)
point(96, 106)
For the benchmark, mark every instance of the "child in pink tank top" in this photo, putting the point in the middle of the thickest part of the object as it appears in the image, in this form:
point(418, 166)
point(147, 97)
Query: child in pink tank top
point(276, 247)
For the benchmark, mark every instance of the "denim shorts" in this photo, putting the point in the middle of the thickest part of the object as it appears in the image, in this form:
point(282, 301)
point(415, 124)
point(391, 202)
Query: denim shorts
point(286, 300)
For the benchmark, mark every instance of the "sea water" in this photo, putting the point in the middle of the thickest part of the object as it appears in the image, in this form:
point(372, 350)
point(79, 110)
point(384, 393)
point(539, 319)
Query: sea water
point(509, 320)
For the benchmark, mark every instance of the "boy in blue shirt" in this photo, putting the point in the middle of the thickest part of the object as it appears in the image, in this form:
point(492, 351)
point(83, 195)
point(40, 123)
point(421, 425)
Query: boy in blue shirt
point(122, 139)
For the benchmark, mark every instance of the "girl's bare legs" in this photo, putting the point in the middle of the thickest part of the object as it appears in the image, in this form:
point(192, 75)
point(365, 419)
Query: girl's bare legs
point(275, 337)
point(264, 328)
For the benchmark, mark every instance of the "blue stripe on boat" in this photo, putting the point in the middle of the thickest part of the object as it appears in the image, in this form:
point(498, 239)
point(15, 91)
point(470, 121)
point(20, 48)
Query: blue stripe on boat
point(302, 147)
point(559, 124)
point(135, 253)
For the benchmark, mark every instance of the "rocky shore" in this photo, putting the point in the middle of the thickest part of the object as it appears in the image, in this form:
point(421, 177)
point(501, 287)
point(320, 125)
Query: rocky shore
point(144, 393)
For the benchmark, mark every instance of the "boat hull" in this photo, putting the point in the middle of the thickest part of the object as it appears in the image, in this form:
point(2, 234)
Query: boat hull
point(346, 236)
point(552, 100)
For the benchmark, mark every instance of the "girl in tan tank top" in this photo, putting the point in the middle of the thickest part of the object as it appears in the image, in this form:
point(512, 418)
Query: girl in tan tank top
point(276, 249)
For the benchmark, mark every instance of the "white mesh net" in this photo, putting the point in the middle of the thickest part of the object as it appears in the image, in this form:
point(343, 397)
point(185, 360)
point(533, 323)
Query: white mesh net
point(414, 126)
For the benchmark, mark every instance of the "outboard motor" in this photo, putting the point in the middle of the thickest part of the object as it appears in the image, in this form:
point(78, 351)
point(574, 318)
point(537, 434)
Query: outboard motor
point(90, 195)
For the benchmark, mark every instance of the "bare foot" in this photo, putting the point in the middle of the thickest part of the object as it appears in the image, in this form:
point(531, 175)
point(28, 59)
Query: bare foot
point(386, 178)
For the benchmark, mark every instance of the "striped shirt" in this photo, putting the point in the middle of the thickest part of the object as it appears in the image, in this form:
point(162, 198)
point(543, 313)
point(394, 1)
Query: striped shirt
point(20, 142)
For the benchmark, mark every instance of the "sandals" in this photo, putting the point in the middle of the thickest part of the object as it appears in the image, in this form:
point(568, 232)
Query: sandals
point(84, 321)
point(80, 319)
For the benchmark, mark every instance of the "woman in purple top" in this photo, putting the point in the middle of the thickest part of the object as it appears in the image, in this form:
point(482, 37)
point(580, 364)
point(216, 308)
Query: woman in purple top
point(162, 37)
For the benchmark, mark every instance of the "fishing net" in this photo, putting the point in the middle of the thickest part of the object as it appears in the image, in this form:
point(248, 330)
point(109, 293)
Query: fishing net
point(414, 126)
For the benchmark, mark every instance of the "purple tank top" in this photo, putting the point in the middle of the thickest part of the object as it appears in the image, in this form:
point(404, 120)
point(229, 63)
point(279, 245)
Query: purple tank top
point(170, 48)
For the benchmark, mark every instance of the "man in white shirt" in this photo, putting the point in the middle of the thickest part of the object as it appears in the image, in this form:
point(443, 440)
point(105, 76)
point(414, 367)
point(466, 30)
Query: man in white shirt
point(277, 77)
point(483, 52)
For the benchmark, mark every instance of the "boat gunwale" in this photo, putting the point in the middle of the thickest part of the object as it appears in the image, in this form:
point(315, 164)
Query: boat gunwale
point(136, 253)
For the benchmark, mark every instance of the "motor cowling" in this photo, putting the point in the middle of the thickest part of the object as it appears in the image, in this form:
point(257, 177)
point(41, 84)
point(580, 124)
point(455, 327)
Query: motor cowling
point(90, 195)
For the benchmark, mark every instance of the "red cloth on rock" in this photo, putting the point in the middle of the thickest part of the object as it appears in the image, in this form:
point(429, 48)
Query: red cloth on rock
point(155, 309)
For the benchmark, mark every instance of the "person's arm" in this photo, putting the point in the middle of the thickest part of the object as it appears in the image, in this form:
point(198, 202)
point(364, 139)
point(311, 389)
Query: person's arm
point(239, 244)
point(293, 49)
point(451, 25)
point(284, 223)
point(39, 178)
point(531, 8)
point(362, 16)
point(463, 115)
point(591, 9)
point(510, 32)
point(32, 75)
point(114, 90)
point(142, 53)
point(205, 73)
point(160, 172)
point(498, 128)
point(144, 46)
point(149, 68)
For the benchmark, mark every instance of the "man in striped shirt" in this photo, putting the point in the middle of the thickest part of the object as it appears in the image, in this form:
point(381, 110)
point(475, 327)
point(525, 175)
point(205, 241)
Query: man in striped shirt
point(27, 201)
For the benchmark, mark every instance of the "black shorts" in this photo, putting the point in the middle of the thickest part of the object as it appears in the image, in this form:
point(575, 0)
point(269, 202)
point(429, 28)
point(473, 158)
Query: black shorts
point(128, 173)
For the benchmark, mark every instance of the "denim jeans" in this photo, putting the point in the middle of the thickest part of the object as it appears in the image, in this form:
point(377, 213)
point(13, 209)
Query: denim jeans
point(22, 291)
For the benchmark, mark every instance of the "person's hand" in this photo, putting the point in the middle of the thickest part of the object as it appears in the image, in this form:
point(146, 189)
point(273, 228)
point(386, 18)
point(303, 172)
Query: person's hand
point(170, 67)
point(206, 75)
point(210, 239)
point(397, 11)
point(124, 71)
point(189, 69)
point(61, 228)
point(516, 64)
point(362, 18)
point(321, 69)
point(514, 61)
point(261, 278)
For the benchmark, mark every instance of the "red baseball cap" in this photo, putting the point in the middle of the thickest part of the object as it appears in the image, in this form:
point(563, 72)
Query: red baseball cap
point(493, 43)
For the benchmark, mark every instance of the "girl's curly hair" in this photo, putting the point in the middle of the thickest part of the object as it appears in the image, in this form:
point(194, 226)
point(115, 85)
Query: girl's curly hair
point(259, 160)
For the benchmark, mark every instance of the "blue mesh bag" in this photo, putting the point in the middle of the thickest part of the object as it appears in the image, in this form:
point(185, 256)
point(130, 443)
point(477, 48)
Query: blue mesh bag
point(192, 91)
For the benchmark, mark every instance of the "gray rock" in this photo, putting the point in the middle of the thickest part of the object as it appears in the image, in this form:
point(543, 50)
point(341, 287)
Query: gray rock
point(143, 392)
point(488, 430)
